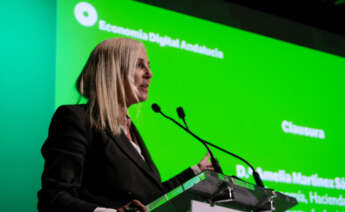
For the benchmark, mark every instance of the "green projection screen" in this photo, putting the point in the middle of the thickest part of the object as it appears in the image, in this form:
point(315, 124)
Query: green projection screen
point(277, 104)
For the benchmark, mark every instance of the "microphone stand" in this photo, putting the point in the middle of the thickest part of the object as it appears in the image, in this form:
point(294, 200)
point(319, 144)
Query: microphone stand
point(256, 175)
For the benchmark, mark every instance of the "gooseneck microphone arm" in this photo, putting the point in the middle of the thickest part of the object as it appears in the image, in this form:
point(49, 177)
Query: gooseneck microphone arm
point(214, 161)
point(256, 175)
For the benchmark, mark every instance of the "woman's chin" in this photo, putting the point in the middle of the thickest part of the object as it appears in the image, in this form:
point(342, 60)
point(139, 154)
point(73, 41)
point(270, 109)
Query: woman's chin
point(143, 98)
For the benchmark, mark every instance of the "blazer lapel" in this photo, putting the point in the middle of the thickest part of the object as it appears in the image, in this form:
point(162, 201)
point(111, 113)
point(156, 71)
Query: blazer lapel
point(124, 144)
point(145, 152)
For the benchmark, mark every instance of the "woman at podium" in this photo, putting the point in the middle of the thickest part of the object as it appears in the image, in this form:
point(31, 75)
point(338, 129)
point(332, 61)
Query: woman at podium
point(95, 158)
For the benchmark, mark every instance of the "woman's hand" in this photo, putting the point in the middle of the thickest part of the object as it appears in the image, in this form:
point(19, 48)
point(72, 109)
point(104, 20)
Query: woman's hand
point(205, 163)
point(134, 205)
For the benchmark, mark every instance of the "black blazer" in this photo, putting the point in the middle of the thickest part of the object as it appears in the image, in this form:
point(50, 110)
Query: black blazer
point(85, 168)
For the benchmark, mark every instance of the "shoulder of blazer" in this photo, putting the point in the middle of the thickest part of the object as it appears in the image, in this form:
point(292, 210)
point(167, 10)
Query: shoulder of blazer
point(74, 112)
point(80, 109)
point(76, 115)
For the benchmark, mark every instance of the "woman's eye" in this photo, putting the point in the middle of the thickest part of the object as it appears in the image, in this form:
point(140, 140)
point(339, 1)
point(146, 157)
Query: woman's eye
point(140, 65)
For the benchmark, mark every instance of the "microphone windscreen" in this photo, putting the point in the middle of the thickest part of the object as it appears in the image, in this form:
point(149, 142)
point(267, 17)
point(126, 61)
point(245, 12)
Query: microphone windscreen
point(156, 108)
point(180, 112)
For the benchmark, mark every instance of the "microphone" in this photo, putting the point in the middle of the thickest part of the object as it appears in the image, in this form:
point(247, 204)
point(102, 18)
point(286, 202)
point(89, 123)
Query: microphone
point(156, 108)
point(181, 115)
point(256, 175)
point(214, 162)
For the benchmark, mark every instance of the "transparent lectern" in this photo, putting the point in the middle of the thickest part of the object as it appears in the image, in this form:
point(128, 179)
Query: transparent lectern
point(214, 192)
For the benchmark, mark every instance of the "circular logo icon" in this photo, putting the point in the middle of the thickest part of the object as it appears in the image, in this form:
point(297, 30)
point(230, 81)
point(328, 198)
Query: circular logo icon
point(85, 14)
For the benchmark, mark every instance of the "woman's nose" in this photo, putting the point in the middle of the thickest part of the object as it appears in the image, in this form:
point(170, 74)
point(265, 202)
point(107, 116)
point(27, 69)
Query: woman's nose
point(149, 73)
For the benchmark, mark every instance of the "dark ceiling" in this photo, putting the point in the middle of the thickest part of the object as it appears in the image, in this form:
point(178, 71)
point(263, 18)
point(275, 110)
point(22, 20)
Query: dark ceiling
point(328, 15)
point(298, 22)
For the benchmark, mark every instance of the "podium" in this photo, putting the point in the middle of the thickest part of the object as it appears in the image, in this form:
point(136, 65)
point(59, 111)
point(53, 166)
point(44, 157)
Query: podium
point(214, 192)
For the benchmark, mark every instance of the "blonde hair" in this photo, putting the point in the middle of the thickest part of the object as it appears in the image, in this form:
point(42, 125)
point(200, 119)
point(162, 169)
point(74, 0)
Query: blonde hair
point(106, 79)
